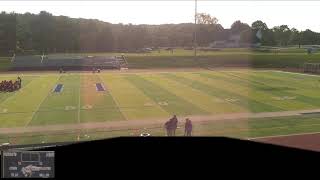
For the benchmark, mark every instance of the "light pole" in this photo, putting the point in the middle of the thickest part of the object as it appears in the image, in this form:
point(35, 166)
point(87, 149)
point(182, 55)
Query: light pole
point(195, 30)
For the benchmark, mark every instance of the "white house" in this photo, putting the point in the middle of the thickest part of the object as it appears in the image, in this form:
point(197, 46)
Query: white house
point(233, 41)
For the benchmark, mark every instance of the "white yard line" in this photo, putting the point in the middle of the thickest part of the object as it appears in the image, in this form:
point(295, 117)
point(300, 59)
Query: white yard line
point(79, 106)
point(285, 135)
point(114, 100)
point(302, 74)
point(198, 92)
point(79, 101)
point(38, 107)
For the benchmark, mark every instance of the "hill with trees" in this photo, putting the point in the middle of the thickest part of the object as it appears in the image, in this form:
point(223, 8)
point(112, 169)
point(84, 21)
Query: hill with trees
point(45, 32)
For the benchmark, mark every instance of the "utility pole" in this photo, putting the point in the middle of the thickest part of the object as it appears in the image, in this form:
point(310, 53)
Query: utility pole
point(195, 30)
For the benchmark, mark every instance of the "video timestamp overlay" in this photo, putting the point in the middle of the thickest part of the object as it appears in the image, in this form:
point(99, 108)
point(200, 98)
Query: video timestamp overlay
point(28, 164)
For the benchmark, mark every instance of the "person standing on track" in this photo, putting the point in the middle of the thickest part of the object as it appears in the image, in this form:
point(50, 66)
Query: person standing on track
point(171, 126)
point(20, 82)
point(174, 125)
point(188, 127)
point(168, 127)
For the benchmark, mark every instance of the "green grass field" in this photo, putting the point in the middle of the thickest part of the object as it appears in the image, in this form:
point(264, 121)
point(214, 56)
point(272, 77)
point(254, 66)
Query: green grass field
point(132, 96)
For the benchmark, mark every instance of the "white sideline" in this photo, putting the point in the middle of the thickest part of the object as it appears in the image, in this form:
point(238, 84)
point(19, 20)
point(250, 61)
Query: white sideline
point(285, 135)
point(295, 73)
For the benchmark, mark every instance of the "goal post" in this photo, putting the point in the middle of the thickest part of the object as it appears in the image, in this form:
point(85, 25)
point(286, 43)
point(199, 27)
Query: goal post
point(311, 67)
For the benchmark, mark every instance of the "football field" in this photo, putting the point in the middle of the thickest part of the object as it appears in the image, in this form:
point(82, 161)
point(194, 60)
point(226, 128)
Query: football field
point(48, 99)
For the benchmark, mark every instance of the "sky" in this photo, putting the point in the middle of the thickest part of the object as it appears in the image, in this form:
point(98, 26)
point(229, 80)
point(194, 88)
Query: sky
point(299, 14)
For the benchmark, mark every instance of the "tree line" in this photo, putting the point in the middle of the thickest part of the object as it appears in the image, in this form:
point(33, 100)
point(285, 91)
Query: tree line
point(44, 32)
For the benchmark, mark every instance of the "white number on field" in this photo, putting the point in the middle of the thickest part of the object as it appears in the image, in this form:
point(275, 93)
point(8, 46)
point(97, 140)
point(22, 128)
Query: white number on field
point(87, 107)
point(284, 98)
point(68, 108)
point(163, 103)
point(232, 100)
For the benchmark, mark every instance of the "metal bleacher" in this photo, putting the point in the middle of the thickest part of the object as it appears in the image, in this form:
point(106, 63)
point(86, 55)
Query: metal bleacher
point(46, 62)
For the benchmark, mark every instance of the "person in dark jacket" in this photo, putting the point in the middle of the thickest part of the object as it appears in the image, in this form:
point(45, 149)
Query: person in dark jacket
point(168, 127)
point(171, 126)
point(188, 127)
point(19, 82)
point(174, 124)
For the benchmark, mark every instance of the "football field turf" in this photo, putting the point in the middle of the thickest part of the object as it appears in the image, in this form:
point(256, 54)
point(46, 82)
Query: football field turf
point(75, 98)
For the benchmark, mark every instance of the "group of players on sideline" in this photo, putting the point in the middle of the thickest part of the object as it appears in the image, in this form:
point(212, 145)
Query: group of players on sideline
point(172, 124)
point(10, 86)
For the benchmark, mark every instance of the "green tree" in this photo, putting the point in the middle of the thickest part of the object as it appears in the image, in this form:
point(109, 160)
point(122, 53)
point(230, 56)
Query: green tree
point(282, 34)
point(203, 18)
point(295, 37)
point(237, 27)
point(7, 33)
